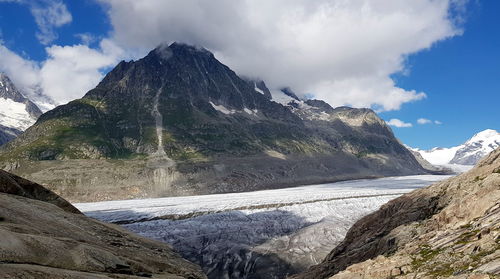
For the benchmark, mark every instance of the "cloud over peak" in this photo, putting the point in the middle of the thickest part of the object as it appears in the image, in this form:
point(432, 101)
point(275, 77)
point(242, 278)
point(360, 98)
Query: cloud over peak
point(337, 50)
point(343, 52)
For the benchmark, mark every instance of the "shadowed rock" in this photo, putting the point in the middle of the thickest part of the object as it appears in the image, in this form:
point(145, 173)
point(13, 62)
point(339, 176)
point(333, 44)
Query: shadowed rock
point(43, 236)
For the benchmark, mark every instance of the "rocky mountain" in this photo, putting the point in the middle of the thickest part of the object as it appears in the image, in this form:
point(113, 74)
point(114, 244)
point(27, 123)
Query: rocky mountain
point(448, 230)
point(179, 122)
point(44, 236)
point(469, 153)
point(17, 112)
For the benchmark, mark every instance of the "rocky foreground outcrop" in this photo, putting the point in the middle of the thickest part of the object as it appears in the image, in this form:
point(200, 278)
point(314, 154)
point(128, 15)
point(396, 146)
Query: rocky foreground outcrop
point(448, 230)
point(44, 236)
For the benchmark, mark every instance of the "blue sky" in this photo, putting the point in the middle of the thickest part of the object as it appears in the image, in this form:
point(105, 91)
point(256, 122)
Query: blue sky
point(461, 77)
point(452, 57)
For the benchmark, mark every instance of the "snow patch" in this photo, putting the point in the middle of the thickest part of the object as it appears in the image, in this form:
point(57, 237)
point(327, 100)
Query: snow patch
point(222, 109)
point(251, 112)
point(258, 89)
point(281, 98)
point(14, 115)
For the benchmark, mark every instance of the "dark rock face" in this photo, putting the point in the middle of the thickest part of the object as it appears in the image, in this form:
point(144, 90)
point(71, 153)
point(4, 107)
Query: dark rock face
point(260, 86)
point(322, 105)
point(180, 109)
point(43, 236)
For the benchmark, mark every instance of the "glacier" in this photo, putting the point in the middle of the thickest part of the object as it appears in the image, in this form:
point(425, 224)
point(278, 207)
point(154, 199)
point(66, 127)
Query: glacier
point(262, 234)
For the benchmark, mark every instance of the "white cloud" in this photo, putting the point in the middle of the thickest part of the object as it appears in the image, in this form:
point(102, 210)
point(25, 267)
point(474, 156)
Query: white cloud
point(48, 15)
point(341, 51)
point(68, 73)
point(86, 38)
point(23, 72)
point(398, 123)
point(71, 71)
point(423, 121)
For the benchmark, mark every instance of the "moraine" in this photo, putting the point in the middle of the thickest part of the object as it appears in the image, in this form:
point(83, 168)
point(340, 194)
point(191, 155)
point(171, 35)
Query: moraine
point(261, 234)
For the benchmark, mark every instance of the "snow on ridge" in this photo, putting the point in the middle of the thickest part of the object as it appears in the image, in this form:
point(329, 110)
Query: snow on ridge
point(281, 98)
point(228, 111)
point(258, 89)
point(478, 145)
point(14, 115)
point(251, 112)
point(486, 137)
point(222, 108)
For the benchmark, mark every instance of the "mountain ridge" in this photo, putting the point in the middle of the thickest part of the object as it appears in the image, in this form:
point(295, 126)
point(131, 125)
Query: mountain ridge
point(468, 153)
point(183, 123)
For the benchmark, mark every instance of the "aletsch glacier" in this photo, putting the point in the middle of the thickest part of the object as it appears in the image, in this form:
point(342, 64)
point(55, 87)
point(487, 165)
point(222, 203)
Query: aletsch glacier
point(261, 234)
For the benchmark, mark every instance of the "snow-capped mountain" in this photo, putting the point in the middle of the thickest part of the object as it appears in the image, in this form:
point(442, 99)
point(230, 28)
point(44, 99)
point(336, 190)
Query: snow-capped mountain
point(469, 153)
point(17, 112)
point(480, 145)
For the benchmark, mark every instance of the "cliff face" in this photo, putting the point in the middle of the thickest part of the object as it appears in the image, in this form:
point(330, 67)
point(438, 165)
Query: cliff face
point(450, 229)
point(179, 122)
point(44, 236)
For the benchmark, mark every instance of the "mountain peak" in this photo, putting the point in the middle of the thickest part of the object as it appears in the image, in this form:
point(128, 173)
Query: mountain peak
point(8, 90)
point(484, 135)
point(468, 153)
point(166, 51)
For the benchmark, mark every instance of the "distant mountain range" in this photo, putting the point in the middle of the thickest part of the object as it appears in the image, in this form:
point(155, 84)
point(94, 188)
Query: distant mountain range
point(469, 153)
point(17, 112)
point(179, 122)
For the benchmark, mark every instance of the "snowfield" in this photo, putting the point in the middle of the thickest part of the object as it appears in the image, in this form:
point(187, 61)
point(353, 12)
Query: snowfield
point(262, 234)
point(14, 115)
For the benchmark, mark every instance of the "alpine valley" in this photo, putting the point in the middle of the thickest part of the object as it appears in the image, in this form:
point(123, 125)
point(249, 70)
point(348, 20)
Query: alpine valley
point(179, 122)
